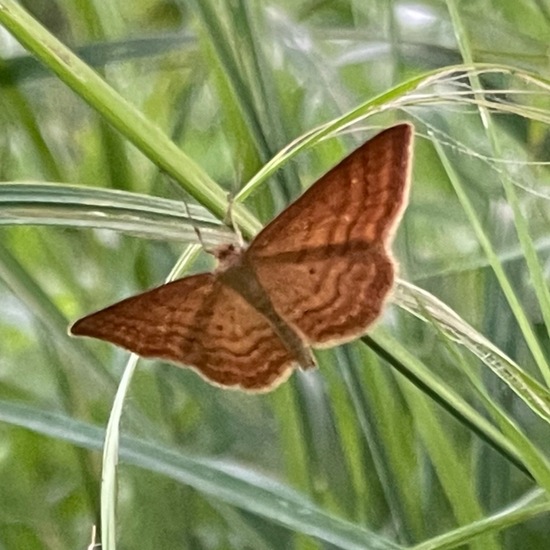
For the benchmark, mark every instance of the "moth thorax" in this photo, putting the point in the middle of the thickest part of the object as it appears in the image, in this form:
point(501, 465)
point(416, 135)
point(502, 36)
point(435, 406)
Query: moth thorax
point(228, 255)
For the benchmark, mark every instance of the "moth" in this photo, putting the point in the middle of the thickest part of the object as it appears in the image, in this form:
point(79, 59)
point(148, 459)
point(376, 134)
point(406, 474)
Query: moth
point(315, 277)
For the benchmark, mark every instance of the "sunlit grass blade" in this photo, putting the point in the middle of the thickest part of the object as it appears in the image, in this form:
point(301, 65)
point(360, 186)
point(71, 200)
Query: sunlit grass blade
point(532, 458)
point(516, 513)
point(441, 393)
point(384, 102)
point(61, 205)
point(112, 434)
point(220, 479)
point(120, 113)
point(494, 261)
point(419, 302)
point(414, 92)
point(535, 269)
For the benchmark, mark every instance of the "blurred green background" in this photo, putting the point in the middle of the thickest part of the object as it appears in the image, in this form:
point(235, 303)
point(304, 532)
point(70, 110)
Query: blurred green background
point(434, 433)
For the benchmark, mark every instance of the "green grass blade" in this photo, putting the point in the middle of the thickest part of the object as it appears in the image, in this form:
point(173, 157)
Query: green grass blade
point(494, 261)
point(144, 216)
point(219, 479)
point(532, 393)
point(120, 113)
point(535, 269)
point(516, 513)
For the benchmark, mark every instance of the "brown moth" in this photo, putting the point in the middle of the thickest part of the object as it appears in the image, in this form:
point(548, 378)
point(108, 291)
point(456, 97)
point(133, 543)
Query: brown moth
point(316, 276)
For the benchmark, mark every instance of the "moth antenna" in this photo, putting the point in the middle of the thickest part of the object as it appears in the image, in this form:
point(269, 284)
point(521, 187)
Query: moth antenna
point(191, 220)
point(195, 228)
point(93, 544)
point(230, 221)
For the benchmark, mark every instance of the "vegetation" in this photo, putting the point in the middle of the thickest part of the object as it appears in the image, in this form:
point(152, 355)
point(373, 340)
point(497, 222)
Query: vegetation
point(429, 433)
